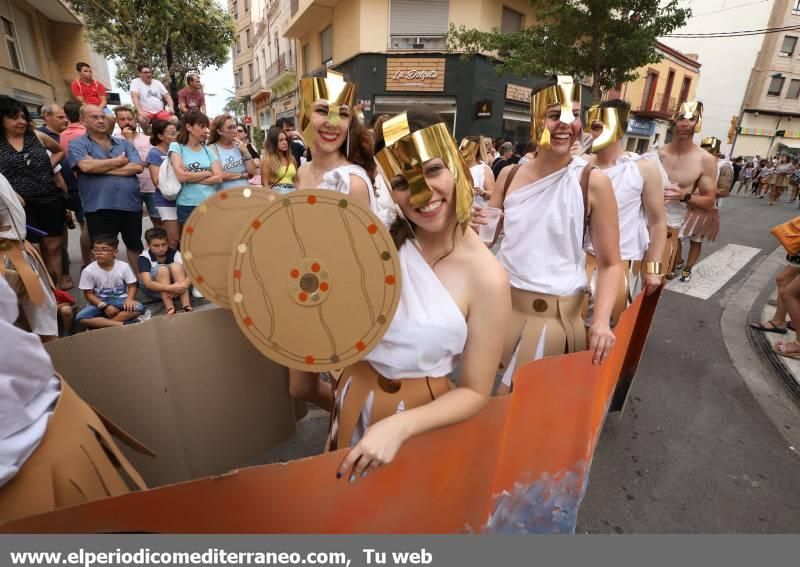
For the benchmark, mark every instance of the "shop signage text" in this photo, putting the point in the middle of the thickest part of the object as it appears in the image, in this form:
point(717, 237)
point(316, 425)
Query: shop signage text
point(518, 93)
point(415, 74)
point(641, 127)
point(483, 109)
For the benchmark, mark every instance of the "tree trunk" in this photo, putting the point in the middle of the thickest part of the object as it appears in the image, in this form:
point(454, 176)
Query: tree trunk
point(596, 92)
point(172, 76)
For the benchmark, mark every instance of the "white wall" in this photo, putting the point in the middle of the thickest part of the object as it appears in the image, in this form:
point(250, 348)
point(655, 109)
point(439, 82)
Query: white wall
point(726, 63)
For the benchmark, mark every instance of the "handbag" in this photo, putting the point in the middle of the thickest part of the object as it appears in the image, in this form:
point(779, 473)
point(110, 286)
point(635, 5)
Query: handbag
point(168, 182)
point(788, 234)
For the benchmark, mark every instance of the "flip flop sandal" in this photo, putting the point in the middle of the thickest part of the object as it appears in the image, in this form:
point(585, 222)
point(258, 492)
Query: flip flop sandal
point(795, 355)
point(771, 329)
point(187, 308)
point(171, 311)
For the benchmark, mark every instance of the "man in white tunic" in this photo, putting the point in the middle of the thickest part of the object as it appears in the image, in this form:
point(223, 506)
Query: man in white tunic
point(640, 199)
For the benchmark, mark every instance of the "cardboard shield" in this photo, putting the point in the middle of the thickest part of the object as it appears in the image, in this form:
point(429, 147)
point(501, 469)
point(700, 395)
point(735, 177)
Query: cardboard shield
point(314, 280)
point(209, 232)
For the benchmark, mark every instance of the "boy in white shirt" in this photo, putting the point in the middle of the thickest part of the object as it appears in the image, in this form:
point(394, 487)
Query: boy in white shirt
point(149, 96)
point(109, 287)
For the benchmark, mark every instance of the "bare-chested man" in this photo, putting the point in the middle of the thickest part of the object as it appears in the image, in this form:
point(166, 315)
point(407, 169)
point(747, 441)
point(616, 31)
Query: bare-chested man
point(693, 173)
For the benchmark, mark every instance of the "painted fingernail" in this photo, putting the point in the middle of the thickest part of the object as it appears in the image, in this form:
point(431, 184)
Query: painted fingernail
point(352, 478)
point(338, 475)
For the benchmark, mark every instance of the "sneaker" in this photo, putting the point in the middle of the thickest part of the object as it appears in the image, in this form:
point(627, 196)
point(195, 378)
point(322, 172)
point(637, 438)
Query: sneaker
point(146, 315)
point(686, 275)
point(196, 293)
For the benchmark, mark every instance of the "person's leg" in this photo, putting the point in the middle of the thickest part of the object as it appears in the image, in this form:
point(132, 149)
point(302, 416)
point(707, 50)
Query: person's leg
point(778, 321)
point(163, 277)
point(791, 299)
point(67, 318)
point(149, 201)
point(173, 229)
point(124, 316)
point(90, 317)
point(694, 254)
point(131, 230)
point(773, 194)
point(178, 274)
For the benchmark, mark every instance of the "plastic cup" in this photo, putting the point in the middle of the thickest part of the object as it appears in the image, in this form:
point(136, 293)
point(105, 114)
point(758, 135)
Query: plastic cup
point(487, 231)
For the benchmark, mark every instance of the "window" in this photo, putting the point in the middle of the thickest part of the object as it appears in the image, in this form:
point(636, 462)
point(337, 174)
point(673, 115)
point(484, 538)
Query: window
point(326, 45)
point(246, 5)
point(238, 44)
point(247, 37)
point(512, 21)
point(306, 59)
point(684, 96)
point(789, 43)
point(11, 44)
point(776, 85)
point(418, 24)
point(235, 9)
point(250, 71)
point(794, 89)
point(796, 9)
point(258, 66)
point(240, 77)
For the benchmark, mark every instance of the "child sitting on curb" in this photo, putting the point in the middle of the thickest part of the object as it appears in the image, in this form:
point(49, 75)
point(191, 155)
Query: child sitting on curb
point(161, 271)
point(109, 287)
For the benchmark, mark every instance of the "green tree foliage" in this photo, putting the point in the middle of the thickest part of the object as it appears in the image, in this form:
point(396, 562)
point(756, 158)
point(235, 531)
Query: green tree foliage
point(603, 39)
point(235, 107)
point(173, 36)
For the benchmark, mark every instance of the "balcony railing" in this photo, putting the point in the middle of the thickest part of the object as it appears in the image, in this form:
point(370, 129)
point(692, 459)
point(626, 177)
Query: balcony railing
point(285, 62)
point(659, 105)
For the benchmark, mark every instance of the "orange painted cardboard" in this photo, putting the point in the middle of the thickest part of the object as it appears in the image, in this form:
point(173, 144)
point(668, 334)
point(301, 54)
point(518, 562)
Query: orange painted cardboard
point(520, 466)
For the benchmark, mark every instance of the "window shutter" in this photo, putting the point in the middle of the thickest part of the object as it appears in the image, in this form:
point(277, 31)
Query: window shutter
point(26, 42)
point(420, 17)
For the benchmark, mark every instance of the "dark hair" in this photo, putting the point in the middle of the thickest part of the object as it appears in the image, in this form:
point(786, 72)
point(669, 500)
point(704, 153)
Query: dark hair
point(109, 239)
point(72, 108)
point(281, 122)
point(141, 66)
point(378, 119)
point(544, 83)
point(80, 65)
point(124, 108)
point(155, 233)
point(616, 103)
point(191, 118)
point(10, 108)
point(362, 148)
point(520, 148)
point(531, 147)
point(158, 128)
point(419, 117)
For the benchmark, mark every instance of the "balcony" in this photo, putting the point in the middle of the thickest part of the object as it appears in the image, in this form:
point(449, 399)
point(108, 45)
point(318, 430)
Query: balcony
point(56, 11)
point(305, 15)
point(284, 64)
point(658, 107)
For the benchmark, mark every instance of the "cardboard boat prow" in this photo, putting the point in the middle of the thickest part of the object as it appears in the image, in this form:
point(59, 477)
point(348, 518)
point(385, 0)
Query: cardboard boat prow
point(189, 386)
point(520, 466)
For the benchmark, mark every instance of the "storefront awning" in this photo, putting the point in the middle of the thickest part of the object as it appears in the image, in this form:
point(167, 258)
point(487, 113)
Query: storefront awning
point(517, 115)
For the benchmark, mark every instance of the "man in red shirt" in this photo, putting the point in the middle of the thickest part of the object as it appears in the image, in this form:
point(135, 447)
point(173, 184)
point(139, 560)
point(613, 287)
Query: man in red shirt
point(191, 96)
point(86, 89)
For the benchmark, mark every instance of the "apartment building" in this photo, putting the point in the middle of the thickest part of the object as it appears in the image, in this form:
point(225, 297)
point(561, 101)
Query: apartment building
point(43, 39)
point(655, 95)
point(244, 70)
point(770, 114)
point(274, 55)
point(395, 51)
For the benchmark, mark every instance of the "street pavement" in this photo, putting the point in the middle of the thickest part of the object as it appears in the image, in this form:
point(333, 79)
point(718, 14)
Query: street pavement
point(695, 452)
point(705, 443)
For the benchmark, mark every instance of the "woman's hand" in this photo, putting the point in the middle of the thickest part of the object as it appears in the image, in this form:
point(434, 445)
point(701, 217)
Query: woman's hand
point(378, 447)
point(652, 282)
point(601, 339)
point(478, 218)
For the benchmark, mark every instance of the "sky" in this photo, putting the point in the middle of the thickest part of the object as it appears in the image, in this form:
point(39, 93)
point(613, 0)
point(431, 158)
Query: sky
point(215, 81)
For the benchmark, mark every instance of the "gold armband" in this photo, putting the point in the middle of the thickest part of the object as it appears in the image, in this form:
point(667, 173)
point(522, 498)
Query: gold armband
point(652, 268)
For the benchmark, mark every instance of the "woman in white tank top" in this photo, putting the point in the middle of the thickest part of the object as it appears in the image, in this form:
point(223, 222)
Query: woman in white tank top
point(547, 215)
point(342, 161)
point(474, 154)
point(453, 300)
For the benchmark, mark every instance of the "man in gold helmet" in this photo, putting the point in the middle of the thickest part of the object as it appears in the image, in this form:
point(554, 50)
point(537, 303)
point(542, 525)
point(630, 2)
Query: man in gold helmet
point(551, 203)
point(692, 192)
point(640, 199)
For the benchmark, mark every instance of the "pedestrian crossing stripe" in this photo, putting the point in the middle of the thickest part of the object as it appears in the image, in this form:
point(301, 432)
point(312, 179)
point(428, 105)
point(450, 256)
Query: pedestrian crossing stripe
point(714, 271)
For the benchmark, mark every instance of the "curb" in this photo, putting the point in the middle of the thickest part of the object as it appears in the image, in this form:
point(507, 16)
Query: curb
point(766, 382)
point(762, 345)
